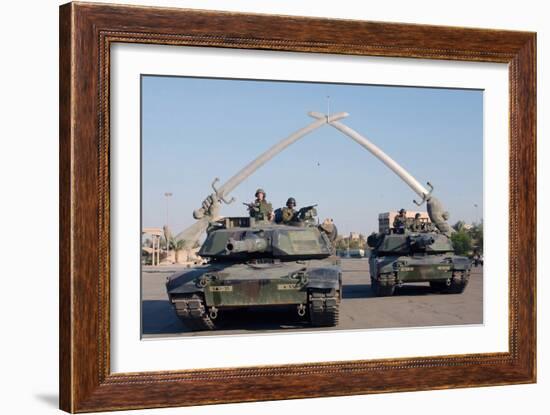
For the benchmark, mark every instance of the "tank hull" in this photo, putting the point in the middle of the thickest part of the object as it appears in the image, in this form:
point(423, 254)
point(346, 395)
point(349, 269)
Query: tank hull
point(444, 273)
point(419, 269)
point(314, 287)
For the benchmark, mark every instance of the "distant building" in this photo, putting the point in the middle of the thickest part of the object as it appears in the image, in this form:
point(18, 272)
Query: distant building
point(385, 220)
point(154, 250)
point(153, 254)
point(351, 253)
point(354, 236)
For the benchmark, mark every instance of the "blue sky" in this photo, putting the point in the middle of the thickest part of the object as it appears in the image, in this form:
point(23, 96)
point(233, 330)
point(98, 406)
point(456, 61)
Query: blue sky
point(196, 129)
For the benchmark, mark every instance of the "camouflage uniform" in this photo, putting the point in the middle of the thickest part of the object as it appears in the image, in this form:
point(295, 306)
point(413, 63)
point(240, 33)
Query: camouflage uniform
point(288, 214)
point(400, 221)
point(416, 225)
point(260, 209)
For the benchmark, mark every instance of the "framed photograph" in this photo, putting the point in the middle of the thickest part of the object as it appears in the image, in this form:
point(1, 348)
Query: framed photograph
point(278, 207)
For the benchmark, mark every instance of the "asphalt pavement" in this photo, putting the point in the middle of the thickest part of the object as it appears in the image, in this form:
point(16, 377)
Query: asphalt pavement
point(413, 305)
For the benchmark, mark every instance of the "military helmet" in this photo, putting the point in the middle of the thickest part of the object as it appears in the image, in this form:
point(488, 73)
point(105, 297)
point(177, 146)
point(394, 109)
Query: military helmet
point(417, 216)
point(292, 201)
point(402, 211)
point(260, 190)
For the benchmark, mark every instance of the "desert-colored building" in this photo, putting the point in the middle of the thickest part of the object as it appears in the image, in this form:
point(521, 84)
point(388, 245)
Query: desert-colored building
point(154, 250)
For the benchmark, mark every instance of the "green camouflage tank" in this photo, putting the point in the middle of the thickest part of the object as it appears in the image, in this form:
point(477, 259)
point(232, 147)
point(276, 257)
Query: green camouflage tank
point(421, 256)
point(260, 263)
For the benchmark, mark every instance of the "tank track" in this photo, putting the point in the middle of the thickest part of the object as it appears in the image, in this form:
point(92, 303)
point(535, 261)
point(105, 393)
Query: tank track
point(324, 308)
point(192, 312)
point(459, 281)
point(382, 290)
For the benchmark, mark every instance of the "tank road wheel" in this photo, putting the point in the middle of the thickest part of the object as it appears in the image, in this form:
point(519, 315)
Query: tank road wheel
point(458, 282)
point(193, 313)
point(324, 308)
point(382, 287)
point(454, 285)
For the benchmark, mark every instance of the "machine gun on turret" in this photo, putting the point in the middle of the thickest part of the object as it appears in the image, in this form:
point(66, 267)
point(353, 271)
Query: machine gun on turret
point(307, 213)
point(304, 216)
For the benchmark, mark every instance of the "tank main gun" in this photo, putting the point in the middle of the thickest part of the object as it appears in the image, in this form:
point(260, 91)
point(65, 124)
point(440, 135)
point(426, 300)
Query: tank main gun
point(248, 245)
point(437, 213)
point(209, 211)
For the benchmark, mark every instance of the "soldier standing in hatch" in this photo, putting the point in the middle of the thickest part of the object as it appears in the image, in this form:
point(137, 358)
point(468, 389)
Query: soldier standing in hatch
point(416, 226)
point(400, 221)
point(288, 213)
point(260, 209)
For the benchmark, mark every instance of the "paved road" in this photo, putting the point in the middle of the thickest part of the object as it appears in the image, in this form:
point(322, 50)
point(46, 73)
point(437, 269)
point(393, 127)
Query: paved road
point(413, 305)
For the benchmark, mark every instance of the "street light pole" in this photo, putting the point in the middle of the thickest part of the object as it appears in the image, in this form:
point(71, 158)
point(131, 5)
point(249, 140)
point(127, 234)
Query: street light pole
point(166, 196)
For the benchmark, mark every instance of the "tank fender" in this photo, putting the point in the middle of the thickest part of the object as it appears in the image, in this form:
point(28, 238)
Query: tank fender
point(323, 278)
point(461, 263)
point(185, 282)
point(186, 289)
point(384, 265)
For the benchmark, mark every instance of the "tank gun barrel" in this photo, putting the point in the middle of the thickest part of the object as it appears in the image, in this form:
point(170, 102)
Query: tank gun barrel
point(246, 245)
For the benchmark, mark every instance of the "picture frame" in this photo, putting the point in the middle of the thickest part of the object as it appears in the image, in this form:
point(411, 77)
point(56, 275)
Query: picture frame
point(87, 32)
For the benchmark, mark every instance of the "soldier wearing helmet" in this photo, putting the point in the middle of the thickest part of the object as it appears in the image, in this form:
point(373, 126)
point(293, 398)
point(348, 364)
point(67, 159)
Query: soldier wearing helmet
point(416, 225)
point(288, 213)
point(260, 209)
point(400, 221)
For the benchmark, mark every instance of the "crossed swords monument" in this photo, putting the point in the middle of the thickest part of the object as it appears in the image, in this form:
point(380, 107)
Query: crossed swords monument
point(211, 205)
